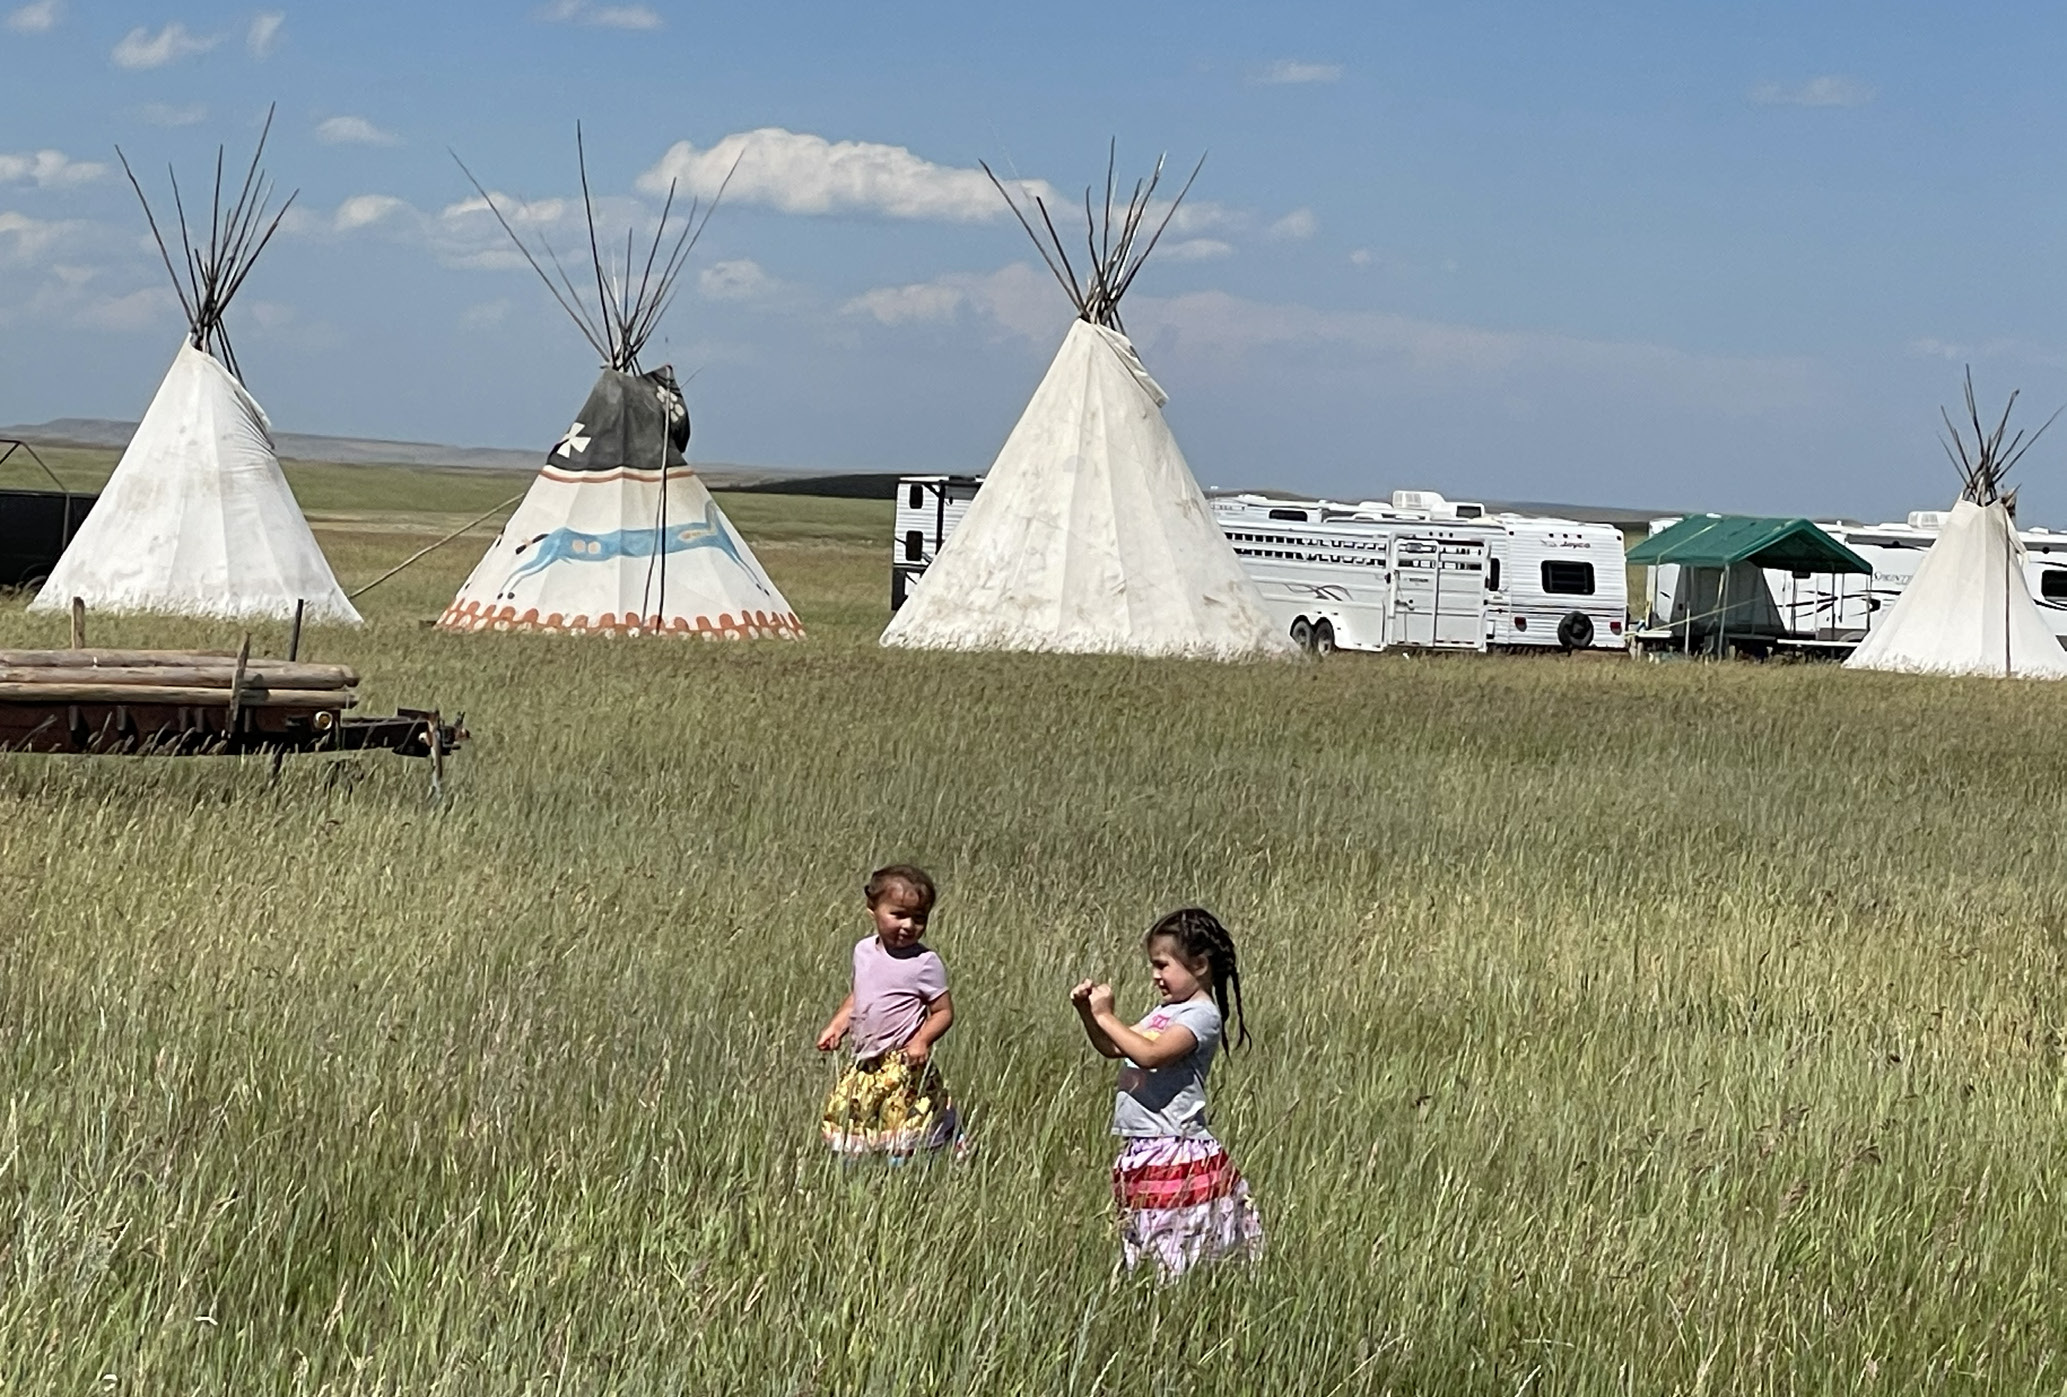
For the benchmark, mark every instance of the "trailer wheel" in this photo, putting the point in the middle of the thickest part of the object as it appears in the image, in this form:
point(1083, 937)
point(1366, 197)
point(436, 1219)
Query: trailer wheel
point(1575, 632)
point(1323, 639)
point(1302, 634)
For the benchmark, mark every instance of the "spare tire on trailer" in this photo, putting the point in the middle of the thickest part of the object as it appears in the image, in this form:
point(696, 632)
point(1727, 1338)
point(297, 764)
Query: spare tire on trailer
point(1575, 632)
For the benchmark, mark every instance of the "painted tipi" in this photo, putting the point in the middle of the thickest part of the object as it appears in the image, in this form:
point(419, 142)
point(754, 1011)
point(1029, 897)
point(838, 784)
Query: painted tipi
point(1089, 534)
point(617, 536)
point(1968, 609)
point(197, 518)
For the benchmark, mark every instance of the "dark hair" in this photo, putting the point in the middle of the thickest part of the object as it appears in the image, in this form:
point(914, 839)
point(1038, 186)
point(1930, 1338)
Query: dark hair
point(909, 876)
point(1201, 939)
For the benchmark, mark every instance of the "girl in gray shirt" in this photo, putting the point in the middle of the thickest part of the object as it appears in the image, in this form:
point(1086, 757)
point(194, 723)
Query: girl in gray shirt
point(1181, 1199)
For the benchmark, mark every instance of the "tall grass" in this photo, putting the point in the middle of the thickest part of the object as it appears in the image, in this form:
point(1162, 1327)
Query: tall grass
point(1620, 1027)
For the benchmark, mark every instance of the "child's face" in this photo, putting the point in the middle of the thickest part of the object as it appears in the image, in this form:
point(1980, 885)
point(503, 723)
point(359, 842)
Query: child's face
point(1175, 980)
point(900, 917)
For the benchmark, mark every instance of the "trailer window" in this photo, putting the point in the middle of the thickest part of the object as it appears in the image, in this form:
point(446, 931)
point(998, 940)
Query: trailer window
point(914, 545)
point(2052, 584)
point(918, 496)
point(1564, 578)
point(1298, 514)
point(1493, 575)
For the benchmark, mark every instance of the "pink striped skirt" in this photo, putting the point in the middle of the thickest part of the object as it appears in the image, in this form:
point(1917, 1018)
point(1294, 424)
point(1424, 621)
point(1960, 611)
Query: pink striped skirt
point(1182, 1202)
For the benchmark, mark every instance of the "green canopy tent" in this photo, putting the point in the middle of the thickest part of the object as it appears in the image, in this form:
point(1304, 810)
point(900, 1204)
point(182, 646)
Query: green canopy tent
point(1722, 559)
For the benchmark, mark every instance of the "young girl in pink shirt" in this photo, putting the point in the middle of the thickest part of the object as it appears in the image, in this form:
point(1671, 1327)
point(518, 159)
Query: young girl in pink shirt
point(890, 1100)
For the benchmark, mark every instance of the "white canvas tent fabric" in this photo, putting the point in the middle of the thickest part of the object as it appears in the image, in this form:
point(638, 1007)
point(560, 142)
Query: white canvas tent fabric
point(1968, 609)
point(197, 518)
point(1090, 534)
point(579, 555)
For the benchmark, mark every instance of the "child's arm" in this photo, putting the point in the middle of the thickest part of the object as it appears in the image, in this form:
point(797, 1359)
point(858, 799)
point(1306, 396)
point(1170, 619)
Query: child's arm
point(836, 1026)
point(1160, 1051)
point(1081, 997)
point(940, 1017)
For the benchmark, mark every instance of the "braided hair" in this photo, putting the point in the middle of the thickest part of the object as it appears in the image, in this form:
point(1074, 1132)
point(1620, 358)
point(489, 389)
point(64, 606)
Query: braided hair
point(1203, 941)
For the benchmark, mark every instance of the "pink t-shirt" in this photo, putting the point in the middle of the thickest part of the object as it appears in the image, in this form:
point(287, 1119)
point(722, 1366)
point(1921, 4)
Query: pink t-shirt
point(891, 993)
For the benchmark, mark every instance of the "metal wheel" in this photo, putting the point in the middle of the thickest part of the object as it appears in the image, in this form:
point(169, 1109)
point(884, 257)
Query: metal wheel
point(1323, 639)
point(1302, 634)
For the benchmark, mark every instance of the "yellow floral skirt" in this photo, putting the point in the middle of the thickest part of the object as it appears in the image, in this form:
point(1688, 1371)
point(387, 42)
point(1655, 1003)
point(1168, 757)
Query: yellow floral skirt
point(886, 1106)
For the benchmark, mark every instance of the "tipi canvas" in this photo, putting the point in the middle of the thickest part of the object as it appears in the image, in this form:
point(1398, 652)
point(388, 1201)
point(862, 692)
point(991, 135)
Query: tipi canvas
point(1968, 610)
point(197, 518)
point(617, 536)
point(1089, 534)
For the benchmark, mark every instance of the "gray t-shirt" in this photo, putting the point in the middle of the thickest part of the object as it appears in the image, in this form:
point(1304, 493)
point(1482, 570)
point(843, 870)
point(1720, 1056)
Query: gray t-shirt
point(1169, 1101)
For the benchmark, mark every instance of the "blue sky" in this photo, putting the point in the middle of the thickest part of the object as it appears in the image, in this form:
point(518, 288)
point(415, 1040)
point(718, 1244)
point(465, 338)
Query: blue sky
point(1712, 257)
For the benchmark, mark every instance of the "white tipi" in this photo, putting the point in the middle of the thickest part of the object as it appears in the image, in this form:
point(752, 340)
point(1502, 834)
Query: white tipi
point(617, 536)
point(1089, 534)
point(1968, 610)
point(197, 518)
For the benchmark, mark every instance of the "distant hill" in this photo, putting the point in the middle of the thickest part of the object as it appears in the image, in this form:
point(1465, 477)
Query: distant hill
point(720, 475)
point(104, 434)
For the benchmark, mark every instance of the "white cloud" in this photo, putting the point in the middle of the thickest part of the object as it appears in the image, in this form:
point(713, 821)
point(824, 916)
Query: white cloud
point(1298, 224)
point(904, 305)
point(38, 18)
point(49, 168)
point(1432, 356)
point(140, 48)
point(1017, 298)
point(23, 239)
point(1194, 250)
point(365, 210)
point(1360, 258)
point(2016, 350)
point(1290, 71)
point(800, 173)
point(737, 280)
point(165, 114)
point(1216, 334)
point(264, 34)
point(269, 315)
point(602, 16)
point(486, 315)
point(354, 131)
point(1829, 91)
point(139, 310)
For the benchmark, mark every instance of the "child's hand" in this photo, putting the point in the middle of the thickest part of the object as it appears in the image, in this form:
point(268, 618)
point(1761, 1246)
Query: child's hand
point(830, 1039)
point(1099, 1000)
point(1081, 995)
point(917, 1052)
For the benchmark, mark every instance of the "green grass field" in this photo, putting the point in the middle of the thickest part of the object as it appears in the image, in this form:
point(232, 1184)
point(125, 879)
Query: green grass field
point(1620, 1028)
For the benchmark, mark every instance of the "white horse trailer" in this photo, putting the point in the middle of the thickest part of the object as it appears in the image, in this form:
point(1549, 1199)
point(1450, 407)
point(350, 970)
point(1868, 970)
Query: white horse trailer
point(1840, 607)
point(1422, 572)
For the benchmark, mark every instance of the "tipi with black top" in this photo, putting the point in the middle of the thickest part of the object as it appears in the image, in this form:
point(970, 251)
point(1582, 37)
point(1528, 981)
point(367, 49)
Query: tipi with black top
point(197, 518)
point(617, 536)
point(1089, 534)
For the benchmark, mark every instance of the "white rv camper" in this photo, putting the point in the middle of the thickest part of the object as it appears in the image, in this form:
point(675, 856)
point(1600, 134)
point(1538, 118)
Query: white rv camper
point(928, 509)
point(1415, 572)
point(1831, 607)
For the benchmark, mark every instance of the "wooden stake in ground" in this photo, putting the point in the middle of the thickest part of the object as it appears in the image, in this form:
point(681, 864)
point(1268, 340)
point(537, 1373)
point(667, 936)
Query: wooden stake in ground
point(78, 623)
point(237, 681)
